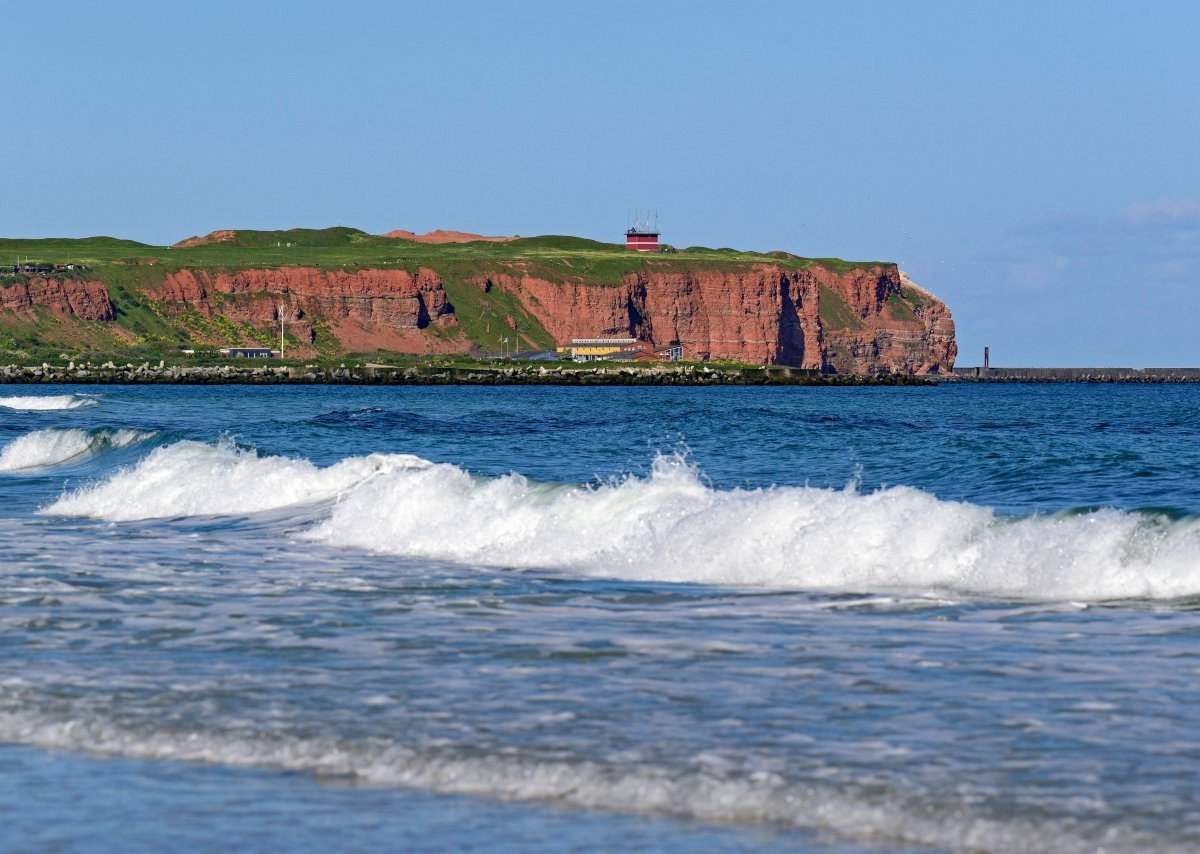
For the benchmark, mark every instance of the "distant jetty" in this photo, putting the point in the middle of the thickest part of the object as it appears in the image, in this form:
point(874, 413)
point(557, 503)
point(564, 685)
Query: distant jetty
point(434, 374)
point(1078, 375)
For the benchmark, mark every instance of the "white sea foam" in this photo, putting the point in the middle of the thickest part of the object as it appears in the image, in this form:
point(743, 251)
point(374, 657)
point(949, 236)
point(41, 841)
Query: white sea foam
point(62, 401)
point(46, 448)
point(925, 818)
point(197, 479)
point(672, 527)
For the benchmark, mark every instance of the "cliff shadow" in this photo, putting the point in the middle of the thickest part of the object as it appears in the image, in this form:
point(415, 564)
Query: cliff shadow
point(790, 349)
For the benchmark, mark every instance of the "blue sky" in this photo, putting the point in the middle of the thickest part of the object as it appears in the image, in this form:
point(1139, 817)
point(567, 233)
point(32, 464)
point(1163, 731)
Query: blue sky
point(1034, 164)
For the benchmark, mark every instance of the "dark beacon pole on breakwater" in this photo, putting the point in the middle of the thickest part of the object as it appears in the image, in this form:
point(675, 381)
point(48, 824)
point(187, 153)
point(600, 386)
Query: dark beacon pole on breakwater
point(986, 354)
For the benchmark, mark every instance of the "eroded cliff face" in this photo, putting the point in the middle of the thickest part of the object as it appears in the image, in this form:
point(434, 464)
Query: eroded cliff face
point(393, 297)
point(83, 299)
point(365, 309)
point(854, 320)
point(860, 321)
point(904, 328)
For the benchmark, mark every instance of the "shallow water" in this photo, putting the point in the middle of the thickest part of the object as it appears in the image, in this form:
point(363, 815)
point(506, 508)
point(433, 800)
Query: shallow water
point(868, 619)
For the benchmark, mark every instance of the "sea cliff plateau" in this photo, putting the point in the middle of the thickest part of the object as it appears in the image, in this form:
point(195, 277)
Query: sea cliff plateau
point(336, 293)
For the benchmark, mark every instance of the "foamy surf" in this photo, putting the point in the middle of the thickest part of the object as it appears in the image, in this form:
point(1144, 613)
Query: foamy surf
point(672, 527)
point(47, 403)
point(942, 819)
point(47, 448)
point(197, 479)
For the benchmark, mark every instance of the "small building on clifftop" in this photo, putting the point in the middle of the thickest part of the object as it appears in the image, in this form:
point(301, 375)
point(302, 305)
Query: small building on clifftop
point(642, 236)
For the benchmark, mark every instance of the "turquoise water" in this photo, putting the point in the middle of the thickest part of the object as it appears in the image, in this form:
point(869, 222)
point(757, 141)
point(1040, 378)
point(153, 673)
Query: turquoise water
point(952, 618)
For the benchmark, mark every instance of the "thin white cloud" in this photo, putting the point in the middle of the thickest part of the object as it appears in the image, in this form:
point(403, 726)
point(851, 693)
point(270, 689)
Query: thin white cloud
point(1164, 234)
point(1165, 211)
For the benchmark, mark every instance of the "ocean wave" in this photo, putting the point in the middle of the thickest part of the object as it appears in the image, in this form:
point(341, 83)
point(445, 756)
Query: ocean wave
point(671, 526)
point(197, 479)
point(944, 819)
point(46, 403)
point(47, 448)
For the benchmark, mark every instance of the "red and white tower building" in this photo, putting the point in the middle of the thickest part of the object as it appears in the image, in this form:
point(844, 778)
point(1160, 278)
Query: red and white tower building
point(642, 236)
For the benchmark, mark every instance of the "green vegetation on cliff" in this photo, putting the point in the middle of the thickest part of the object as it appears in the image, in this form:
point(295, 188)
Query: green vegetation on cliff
point(351, 248)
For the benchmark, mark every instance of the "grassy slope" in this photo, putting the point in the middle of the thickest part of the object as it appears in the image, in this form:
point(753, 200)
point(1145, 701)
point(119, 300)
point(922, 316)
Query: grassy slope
point(128, 267)
point(836, 313)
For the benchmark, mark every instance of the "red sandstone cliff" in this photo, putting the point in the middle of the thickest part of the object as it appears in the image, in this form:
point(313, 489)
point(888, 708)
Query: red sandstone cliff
point(902, 328)
point(84, 299)
point(367, 309)
point(859, 321)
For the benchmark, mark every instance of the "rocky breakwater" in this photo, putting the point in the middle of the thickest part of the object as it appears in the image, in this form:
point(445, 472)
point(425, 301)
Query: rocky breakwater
point(85, 299)
point(864, 320)
point(356, 303)
point(434, 374)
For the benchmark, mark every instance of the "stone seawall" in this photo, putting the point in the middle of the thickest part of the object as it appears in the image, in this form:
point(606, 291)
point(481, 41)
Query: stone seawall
point(110, 374)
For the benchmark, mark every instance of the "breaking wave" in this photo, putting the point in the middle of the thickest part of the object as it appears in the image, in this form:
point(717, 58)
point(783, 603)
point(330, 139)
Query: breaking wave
point(197, 479)
point(670, 526)
point(62, 401)
point(738, 796)
point(46, 448)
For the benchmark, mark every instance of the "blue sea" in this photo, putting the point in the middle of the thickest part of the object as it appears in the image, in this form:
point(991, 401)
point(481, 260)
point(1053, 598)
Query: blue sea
point(955, 618)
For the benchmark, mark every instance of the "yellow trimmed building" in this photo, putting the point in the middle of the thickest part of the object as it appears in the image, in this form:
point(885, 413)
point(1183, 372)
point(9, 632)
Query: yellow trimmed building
point(618, 350)
point(591, 349)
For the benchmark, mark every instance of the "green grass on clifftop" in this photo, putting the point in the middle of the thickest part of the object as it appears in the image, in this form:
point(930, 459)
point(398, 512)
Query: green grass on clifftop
point(551, 255)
